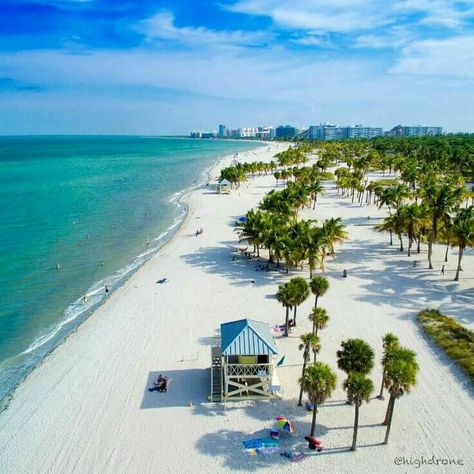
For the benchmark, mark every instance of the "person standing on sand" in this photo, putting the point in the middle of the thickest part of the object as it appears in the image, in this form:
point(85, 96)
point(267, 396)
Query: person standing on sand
point(442, 270)
point(85, 298)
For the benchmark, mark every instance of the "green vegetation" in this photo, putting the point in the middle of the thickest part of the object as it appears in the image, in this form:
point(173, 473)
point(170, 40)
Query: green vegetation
point(309, 342)
point(424, 202)
point(456, 340)
point(359, 389)
point(318, 381)
point(355, 356)
point(238, 174)
point(400, 377)
point(319, 285)
point(426, 191)
point(389, 343)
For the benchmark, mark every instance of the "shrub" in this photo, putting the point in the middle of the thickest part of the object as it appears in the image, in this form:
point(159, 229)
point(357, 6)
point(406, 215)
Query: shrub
point(456, 340)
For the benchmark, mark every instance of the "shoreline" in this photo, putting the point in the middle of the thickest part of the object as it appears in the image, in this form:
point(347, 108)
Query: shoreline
point(66, 327)
point(87, 407)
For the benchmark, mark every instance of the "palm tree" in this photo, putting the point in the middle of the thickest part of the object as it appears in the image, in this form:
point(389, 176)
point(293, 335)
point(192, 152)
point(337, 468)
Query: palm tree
point(319, 285)
point(387, 198)
point(399, 193)
point(413, 217)
point(440, 199)
point(299, 293)
point(284, 296)
point(359, 389)
point(333, 233)
point(319, 317)
point(389, 342)
point(400, 378)
point(315, 188)
point(394, 223)
point(315, 247)
point(355, 356)
point(463, 233)
point(319, 382)
point(309, 342)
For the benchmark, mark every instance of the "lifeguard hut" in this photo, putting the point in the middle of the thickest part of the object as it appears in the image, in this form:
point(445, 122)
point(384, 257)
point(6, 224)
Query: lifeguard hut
point(243, 366)
point(224, 186)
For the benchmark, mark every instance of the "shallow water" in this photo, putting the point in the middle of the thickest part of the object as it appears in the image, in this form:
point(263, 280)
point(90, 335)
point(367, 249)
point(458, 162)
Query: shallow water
point(94, 207)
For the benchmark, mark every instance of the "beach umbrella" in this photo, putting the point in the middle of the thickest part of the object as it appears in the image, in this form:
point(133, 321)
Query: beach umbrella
point(285, 424)
point(243, 219)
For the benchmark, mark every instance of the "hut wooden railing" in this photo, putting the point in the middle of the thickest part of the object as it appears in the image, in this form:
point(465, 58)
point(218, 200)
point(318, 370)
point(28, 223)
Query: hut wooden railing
point(248, 370)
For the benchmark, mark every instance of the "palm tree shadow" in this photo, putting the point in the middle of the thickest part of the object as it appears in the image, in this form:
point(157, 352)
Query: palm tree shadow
point(227, 446)
point(218, 260)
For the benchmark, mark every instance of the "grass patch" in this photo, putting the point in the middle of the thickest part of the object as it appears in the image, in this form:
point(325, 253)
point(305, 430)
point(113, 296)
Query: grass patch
point(456, 340)
point(387, 182)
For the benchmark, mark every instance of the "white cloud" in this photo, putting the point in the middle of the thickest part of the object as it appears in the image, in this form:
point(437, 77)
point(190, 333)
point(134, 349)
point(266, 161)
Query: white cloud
point(240, 87)
point(438, 12)
point(321, 15)
point(451, 57)
point(161, 26)
point(360, 16)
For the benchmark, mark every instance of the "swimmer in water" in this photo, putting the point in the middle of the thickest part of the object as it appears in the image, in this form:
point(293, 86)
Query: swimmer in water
point(58, 267)
point(147, 241)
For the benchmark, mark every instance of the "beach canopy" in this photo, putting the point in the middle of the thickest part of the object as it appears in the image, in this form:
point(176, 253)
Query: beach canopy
point(243, 219)
point(247, 337)
point(285, 424)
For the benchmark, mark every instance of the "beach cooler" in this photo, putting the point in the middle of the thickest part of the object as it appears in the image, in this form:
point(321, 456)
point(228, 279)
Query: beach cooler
point(314, 444)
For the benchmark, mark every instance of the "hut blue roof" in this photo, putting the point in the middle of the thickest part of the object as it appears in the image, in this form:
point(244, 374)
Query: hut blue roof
point(247, 337)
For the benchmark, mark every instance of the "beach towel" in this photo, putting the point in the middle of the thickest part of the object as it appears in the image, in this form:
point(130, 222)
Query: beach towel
point(261, 445)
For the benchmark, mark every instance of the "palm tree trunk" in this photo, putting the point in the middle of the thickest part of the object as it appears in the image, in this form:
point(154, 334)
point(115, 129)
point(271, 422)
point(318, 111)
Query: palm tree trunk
point(446, 253)
point(356, 427)
point(401, 242)
point(380, 396)
point(461, 251)
point(389, 409)
point(391, 238)
point(294, 315)
point(418, 245)
point(410, 243)
point(313, 421)
point(300, 400)
point(430, 253)
point(287, 317)
point(389, 422)
point(316, 301)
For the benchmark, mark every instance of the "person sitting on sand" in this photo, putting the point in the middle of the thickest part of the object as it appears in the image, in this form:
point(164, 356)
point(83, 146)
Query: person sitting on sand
point(160, 384)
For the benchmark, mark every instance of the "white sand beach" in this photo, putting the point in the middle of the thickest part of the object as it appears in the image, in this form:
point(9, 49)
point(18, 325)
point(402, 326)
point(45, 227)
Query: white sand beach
point(87, 408)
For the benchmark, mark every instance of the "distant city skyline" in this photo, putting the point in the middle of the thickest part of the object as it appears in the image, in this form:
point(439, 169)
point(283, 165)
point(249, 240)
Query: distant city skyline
point(120, 67)
point(323, 131)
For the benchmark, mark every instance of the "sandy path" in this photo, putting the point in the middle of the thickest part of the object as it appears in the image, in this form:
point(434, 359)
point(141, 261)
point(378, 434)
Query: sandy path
point(87, 408)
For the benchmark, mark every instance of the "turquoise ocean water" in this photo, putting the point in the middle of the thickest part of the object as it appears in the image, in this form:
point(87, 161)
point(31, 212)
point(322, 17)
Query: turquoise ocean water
point(88, 204)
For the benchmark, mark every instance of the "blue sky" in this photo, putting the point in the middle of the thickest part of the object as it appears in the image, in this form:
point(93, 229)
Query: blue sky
point(167, 67)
